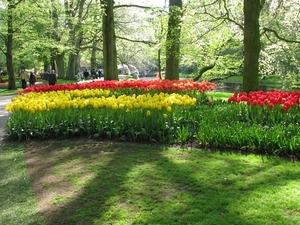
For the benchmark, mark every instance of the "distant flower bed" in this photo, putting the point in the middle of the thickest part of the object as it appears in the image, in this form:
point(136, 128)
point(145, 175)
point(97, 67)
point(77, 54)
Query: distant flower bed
point(270, 99)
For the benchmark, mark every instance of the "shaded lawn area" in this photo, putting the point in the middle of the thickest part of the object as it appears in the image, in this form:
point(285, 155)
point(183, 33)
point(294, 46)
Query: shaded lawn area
point(93, 182)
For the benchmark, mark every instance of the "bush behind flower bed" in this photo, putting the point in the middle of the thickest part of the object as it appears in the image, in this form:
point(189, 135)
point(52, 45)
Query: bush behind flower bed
point(253, 126)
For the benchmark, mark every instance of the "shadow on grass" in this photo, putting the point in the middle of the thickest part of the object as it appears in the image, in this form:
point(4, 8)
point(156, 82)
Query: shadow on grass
point(136, 184)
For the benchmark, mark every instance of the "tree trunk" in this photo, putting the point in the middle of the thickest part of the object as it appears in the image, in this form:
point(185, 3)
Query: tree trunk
point(159, 63)
point(109, 42)
point(9, 48)
point(75, 35)
point(252, 44)
point(173, 40)
point(93, 56)
point(59, 58)
point(71, 72)
point(73, 55)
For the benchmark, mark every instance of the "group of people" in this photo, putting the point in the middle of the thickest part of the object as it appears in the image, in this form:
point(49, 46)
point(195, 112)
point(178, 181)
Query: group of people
point(49, 77)
point(86, 75)
point(25, 77)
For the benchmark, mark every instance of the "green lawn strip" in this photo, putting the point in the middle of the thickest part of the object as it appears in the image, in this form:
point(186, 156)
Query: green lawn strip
point(136, 184)
point(219, 95)
point(5, 92)
point(18, 205)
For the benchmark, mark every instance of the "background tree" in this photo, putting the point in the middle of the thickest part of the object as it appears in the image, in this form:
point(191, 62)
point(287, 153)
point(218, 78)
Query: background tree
point(76, 12)
point(57, 35)
point(137, 35)
point(11, 7)
point(173, 40)
point(252, 44)
point(212, 46)
point(281, 42)
point(109, 41)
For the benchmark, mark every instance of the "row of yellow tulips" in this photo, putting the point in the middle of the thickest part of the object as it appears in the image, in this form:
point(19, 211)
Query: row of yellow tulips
point(96, 98)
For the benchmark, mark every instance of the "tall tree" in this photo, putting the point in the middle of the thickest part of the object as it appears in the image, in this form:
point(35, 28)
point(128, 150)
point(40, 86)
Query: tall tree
point(173, 40)
point(9, 43)
point(109, 41)
point(75, 15)
point(58, 53)
point(252, 44)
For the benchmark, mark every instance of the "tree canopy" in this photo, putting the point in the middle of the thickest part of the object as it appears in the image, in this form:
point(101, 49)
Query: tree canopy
point(210, 38)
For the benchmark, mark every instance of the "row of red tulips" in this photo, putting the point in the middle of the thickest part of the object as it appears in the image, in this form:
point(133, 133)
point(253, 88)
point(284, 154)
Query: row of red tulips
point(143, 85)
point(285, 99)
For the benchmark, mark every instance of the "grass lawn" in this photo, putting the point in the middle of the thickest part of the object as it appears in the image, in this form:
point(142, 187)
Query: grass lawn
point(93, 182)
point(219, 95)
point(266, 79)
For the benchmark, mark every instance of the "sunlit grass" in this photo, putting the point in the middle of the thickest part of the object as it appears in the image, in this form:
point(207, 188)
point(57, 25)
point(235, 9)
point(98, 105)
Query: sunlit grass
point(18, 205)
point(138, 184)
point(219, 95)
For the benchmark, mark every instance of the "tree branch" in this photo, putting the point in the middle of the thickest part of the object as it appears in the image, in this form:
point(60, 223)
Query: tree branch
point(203, 70)
point(227, 17)
point(279, 37)
point(223, 78)
point(136, 6)
point(137, 41)
point(206, 68)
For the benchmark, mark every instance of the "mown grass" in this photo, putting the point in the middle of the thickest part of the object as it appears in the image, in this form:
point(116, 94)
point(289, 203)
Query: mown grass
point(117, 183)
point(18, 205)
point(6, 92)
point(219, 95)
point(266, 79)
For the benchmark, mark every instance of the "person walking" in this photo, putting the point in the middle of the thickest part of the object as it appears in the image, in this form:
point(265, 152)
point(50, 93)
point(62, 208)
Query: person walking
point(24, 78)
point(80, 73)
point(32, 79)
point(86, 74)
point(52, 78)
point(93, 74)
point(45, 77)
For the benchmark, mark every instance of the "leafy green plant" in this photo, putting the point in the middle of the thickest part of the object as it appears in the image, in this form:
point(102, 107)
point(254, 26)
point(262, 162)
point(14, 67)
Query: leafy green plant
point(184, 134)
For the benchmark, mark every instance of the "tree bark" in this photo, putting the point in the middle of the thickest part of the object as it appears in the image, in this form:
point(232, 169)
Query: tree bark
point(75, 37)
point(109, 42)
point(173, 40)
point(59, 59)
point(93, 56)
point(9, 48)
point(252, 45)
point(71, 72)
point(58, 56)
point(159, 63)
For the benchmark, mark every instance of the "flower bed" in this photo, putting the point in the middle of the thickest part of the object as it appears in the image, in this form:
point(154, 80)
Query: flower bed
point(158, 111)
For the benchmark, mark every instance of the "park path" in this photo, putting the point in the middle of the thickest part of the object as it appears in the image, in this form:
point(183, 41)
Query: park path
point(4, 115)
